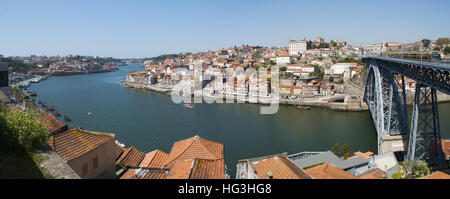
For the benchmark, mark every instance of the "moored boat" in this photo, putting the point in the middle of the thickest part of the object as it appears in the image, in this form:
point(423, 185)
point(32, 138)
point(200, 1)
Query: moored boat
point(299, 107)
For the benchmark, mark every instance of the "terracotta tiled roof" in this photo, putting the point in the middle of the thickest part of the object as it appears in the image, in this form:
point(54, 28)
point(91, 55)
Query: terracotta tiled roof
point(154, 159)
point(198, 169)
point(144, 174)
point(74, 143)
point(436, 175)
point(366, 155)
point(375, 174)
point(208, 169)
point(51, 123)
point(195, 147)
point(278, 167)
point(181, 169)
point(131, 157)
point(118, 151)
point(329, 171)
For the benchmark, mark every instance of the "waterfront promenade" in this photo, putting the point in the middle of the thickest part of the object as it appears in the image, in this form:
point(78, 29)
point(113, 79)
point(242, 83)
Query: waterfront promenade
point(323, 101)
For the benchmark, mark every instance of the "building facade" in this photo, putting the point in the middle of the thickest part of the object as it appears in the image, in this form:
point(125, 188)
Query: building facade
point(297, 47)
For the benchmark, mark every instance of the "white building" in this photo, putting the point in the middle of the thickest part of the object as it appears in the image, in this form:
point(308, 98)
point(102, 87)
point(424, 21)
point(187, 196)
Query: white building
point(297, 47)
point(340, 68)
point(299, 70)
point(284, 59)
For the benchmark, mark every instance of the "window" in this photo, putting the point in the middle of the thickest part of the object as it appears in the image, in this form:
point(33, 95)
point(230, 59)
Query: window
point(95, 162)
point(84, 169)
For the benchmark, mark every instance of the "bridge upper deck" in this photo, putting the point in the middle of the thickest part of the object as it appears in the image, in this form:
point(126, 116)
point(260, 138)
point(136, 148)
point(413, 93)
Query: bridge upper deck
point(432, 74)
point(442, 66)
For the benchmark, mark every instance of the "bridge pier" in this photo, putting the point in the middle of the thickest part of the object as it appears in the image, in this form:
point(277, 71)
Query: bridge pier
point(393, 143)
point(425, 141)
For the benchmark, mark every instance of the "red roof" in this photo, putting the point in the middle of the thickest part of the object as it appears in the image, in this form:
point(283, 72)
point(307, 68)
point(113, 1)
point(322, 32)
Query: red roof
point(208, 169)
point(278, 167)
point(74, 143)
point(131, 157)
point(51, 123)
point(144, 174)
point(436, 175)
point(194, 147)
point(154, 159)
point(329, 171)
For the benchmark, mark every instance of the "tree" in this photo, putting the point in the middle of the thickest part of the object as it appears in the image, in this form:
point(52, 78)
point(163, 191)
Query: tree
point(335, 149)
point(283, 68)
point(346, 150)
point(333, 43)
point(23, 129)
point(447, 50)
point(397, 175)
point(426, 42)
point(309, 44)
point(413, 169)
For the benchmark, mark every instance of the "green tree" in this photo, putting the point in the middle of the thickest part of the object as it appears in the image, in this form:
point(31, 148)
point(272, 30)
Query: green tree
point(336, 150)
point(309, 45)
point(415, 169)
point(283, 68)
point(447, 50)
point(333, 43)
point(397, 175)
point(23, 129)
point(346, 150)
point(426, 42)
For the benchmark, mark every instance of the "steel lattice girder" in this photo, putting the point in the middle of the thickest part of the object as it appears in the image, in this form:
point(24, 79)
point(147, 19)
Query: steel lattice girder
point(384, 102)
point(372, 97)
point(390, 114)
point(425, 140)
point(434, 75)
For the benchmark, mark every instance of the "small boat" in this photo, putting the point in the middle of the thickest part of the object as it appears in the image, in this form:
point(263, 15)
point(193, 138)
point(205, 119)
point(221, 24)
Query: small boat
point(67, 118)
point(302, 107)
point(56, 114)
point(189, 106)
point(33, 94)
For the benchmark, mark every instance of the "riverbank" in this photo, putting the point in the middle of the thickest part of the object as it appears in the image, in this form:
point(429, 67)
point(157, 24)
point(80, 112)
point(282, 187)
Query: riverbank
point(349, 104)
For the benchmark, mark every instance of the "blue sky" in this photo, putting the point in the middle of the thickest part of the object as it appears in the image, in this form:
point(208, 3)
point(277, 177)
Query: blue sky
point(126, 29)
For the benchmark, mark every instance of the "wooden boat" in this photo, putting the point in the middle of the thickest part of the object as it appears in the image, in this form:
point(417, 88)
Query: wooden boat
point(302, 107)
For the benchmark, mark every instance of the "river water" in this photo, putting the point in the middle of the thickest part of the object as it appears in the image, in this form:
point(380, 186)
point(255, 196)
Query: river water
point(149, 120)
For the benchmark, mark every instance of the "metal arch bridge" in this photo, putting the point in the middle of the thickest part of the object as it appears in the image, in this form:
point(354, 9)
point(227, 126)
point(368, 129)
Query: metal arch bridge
point(385, 95)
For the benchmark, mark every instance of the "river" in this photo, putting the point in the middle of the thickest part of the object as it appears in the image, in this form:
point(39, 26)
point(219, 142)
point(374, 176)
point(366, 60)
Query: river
point(149, 120)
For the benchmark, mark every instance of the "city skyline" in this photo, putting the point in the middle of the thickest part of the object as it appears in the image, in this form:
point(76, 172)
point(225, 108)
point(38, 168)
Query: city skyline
point(147, 29)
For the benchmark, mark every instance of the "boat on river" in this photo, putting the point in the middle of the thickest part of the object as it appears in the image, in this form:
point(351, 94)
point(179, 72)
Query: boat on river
point(302, 107)
point(190, 106)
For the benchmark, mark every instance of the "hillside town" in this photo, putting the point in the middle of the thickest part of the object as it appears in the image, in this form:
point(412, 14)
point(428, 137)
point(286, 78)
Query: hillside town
point(311, 73)
point(32, 69)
